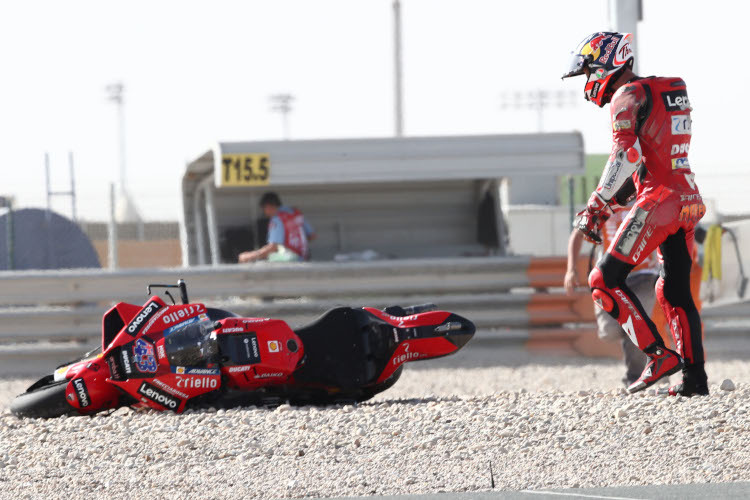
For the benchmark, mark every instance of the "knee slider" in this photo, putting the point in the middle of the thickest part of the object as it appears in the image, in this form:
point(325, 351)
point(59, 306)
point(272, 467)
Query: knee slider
point(603, 300)
point(596, 279)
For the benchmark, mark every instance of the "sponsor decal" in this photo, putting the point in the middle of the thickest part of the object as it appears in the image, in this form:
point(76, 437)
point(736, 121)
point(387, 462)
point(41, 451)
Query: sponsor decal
point(255, 320)
point(197, 382)
point(690, 197)
point(401, 319)
point(680, 149)
point(627, 302)
point(269, 375)
point(146, 313)
point(159, 396)
point(676, 100)
point(180, 326)
point(143, 356)
point(182, 313)
point(630, 330)
point(203, 371)
point(643, 242)
point(250, 342)
point(239, 369)
point(612, 172)
point(170, 389)
point(153, 319)
point(595, 89)
point(182, 370)
point(692, 212)
point(631, 232)
point(84, 400)
point(406, 356)
point(621, 125)
point(682, 125)
point(677, 332)
point(114, 368)
point(607, 51)
point(160, 351)
point(236, 329)
point(126, 362)
point(274, 346)
point(622, 53)
point(680, 163)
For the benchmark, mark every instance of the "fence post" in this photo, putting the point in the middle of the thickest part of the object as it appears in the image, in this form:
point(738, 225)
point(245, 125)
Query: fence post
point(112, 233)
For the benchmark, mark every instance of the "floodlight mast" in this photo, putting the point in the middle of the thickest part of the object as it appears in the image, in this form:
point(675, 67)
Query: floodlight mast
point(283, 104)
point(538, 100)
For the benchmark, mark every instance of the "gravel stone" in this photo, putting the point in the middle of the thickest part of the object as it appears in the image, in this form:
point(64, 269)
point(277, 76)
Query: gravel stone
point(727, 385)
point(542, 422)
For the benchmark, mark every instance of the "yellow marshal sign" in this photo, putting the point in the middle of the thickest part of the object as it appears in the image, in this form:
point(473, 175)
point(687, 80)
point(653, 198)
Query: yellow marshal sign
point(244, 169)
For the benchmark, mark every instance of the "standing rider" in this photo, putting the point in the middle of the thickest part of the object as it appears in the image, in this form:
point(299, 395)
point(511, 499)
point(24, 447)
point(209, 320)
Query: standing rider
point(649, 159)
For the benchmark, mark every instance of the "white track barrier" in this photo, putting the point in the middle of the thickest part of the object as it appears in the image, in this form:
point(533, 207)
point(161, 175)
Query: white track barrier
point(44, 308)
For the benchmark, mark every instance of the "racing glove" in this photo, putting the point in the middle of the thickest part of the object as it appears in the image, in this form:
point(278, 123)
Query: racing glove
point(590, 220)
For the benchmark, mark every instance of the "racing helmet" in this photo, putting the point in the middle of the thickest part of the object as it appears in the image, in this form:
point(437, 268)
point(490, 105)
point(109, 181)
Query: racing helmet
point(606, 54)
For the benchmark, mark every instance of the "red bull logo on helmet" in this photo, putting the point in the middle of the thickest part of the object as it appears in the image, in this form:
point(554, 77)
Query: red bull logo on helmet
point(593, 47)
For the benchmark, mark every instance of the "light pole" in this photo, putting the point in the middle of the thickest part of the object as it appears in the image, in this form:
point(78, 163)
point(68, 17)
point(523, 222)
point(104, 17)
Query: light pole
point(538, 100)
point(283, 104)
point(624, 16)
point(397, 73)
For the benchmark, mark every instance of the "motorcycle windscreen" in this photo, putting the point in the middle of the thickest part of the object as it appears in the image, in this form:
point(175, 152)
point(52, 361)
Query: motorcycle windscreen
point(193, 345)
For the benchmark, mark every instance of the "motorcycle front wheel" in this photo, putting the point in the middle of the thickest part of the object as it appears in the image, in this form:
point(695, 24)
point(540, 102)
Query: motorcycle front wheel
point(44, 399)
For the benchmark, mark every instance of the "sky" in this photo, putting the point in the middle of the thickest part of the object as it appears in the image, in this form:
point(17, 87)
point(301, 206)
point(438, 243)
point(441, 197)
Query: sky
point(200, 72)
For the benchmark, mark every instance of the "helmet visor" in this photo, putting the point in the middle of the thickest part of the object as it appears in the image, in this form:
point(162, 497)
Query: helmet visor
point(576, 64)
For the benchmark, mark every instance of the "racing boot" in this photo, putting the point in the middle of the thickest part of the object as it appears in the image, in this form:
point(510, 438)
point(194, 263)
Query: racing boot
point(694, 383)
point(662, 362)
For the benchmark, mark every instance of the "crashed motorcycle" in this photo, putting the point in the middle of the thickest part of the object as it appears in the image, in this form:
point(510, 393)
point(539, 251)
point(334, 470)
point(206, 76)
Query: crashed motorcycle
point(180, 356)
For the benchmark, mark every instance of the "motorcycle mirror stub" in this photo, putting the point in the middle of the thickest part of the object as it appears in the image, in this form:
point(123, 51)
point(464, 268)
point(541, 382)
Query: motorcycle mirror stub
point(181, 285)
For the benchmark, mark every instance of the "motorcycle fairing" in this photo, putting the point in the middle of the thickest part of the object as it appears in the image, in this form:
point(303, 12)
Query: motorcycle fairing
point(257, 351)
point(87, 390)
point(115, 319)
point(423, 336)
point(137, 364)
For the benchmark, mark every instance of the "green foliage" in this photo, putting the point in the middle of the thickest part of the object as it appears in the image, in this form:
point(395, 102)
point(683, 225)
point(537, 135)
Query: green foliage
point(584, 184)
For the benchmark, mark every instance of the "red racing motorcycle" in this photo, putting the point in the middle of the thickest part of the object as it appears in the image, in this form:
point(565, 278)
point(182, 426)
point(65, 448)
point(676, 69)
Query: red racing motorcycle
point(174, 357)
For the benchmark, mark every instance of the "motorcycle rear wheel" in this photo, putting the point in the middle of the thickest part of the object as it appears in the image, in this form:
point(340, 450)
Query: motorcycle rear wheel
point(43, 400)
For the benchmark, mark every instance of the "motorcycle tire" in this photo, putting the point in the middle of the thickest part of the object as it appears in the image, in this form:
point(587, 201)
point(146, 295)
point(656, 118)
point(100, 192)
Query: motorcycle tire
point(44, 401)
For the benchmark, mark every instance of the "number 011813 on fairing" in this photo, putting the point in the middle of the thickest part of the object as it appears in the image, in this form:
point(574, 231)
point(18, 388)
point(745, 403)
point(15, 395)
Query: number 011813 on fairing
point(243, 169)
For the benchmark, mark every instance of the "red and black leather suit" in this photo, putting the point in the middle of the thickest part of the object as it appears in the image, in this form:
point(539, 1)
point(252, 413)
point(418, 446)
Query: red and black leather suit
point(651, 131)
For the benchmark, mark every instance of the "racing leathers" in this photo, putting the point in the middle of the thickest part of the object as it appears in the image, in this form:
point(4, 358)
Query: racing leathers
point(651, 138)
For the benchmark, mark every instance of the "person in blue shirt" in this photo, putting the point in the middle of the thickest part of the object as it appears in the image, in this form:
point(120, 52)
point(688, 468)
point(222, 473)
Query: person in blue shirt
point(289, 233)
